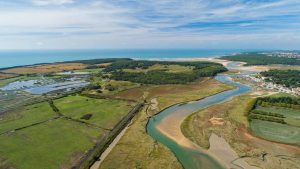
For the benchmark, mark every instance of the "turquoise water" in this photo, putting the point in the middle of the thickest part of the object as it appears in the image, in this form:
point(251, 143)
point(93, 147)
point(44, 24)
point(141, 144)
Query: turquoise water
point(28, 57)
point(192, 159)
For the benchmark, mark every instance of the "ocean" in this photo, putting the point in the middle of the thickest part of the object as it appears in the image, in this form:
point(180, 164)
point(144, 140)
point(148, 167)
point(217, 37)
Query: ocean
point(10, 58)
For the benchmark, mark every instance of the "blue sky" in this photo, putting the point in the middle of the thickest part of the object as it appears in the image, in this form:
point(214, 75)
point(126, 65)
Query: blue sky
point(81, 24)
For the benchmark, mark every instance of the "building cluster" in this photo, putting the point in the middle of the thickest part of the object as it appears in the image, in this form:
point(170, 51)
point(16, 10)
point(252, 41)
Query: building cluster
point(260, 82)
point(285, 54)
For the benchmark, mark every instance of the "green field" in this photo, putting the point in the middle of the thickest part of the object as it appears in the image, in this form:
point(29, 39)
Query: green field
point(279, 124)
point(276, 131)
point(96, 70)
point(54, 144)
point(105, 112)
point(56, 141)
point(26, 116)
point(292, 116)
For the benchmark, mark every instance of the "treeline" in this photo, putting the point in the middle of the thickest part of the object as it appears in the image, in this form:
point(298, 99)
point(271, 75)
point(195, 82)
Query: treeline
point(266, 118)
point(261, 59)
point(99, 61)
point(260, 112)
point(287, 102)
point(288, 78)
point(143, 64)
point(201, 69)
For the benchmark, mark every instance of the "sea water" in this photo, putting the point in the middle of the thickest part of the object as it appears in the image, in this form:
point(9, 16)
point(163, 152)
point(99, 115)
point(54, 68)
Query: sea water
point(10, 58)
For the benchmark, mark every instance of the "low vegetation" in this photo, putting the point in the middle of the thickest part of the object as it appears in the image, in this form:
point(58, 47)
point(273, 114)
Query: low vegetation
point(276, 119)
point(53, 144)
point(261, 59)
point(104, 113)
point(26, 116)
point(137, 149)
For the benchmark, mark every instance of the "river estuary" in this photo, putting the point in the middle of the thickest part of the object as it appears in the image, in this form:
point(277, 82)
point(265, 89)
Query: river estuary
point(165, 127)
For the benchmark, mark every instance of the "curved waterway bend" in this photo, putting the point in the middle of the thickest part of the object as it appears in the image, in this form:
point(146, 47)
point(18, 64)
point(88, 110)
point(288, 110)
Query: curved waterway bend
point(165, 128)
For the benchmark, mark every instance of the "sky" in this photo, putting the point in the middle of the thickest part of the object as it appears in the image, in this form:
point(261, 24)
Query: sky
point(119, 24)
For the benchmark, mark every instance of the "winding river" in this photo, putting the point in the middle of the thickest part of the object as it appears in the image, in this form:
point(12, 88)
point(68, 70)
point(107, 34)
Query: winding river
point(165, 127)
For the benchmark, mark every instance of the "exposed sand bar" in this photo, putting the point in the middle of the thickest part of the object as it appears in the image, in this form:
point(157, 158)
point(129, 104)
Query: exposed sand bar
point(222, 150)
point(221, 61)
point(227, 62)
point(170, 126)
point(219, 149)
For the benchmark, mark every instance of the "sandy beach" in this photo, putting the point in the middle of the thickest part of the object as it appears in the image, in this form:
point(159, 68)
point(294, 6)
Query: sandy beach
point(240, 67)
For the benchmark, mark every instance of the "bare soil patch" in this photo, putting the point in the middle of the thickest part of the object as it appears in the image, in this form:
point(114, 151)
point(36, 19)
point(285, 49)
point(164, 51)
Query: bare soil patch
point(216, 121)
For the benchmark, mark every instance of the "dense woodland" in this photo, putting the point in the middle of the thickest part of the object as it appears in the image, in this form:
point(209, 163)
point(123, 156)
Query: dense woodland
point(99, 61)
point(201, 69)
point(288, 78)
point(261, 59)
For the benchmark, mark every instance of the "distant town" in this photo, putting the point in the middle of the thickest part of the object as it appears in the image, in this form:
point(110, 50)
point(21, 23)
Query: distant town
point(259, 81)
point(285, 54)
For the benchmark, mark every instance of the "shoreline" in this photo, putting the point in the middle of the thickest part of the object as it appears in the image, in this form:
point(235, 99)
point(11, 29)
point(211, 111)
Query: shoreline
point(133, 58)
point(214, 59)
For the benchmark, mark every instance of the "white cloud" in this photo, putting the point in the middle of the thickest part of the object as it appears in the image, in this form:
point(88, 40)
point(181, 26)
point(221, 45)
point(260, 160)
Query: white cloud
point(51, 2)
point(146, 23)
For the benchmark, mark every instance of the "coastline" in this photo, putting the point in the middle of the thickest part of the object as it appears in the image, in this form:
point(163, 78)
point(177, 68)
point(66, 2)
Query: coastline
point(17, 58)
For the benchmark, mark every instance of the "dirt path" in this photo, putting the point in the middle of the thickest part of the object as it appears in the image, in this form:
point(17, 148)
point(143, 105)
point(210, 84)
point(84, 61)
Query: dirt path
point(97, 164)
point(154, 104)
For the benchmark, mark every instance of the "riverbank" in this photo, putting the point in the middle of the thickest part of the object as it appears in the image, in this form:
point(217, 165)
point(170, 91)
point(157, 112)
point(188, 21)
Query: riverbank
point(136, 148)
point(234, 137)
point(165, 127)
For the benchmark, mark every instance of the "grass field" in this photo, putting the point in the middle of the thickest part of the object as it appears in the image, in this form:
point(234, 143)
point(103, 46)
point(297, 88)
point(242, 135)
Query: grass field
point(137, 149)
point(54, 144)
point(26, 116)
point(276, 131)
point(285, 133)
point(292, 116)
point(90, 70)
point(105, 112)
